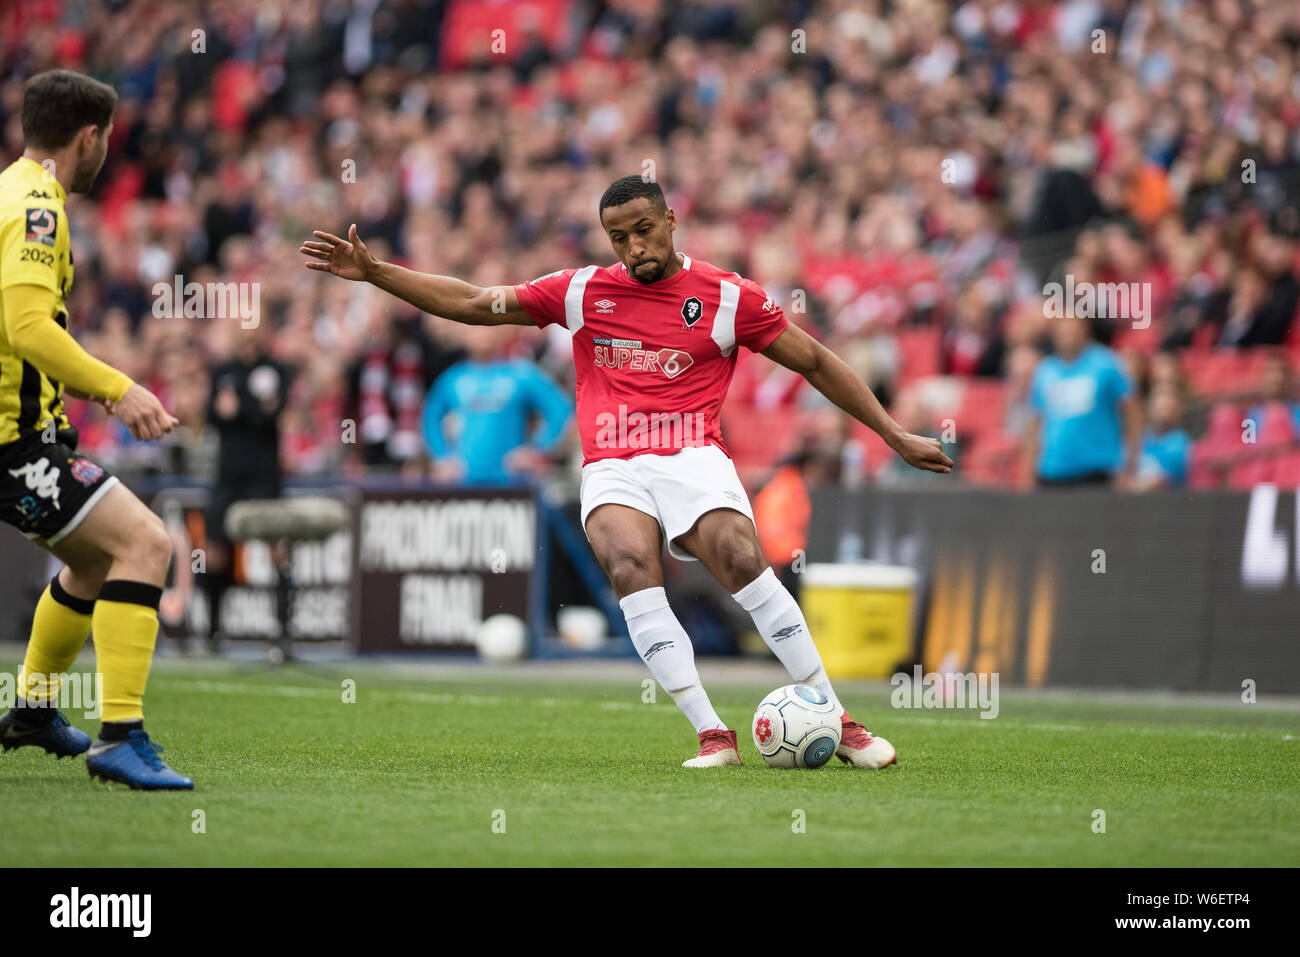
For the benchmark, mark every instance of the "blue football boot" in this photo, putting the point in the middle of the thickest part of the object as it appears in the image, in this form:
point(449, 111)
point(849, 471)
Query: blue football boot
point(134, 762)
point(55, 735)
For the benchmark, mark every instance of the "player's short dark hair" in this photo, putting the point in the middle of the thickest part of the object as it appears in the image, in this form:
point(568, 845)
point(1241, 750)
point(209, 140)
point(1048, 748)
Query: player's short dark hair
point(633, 187)
point(59, 103)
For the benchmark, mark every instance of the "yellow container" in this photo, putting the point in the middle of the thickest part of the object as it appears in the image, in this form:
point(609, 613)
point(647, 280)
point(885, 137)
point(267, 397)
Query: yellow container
point(860, 616)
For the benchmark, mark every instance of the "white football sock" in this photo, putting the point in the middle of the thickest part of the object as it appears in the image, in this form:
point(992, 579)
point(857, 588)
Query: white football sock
point(666, 649)
point(781, 623)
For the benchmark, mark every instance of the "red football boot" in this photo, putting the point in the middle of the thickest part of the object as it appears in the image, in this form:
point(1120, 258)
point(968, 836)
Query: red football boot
point(717, 749)
point(862, 749)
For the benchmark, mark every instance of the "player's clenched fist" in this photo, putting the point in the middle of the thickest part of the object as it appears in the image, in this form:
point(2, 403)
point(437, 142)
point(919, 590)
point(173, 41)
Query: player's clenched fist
point(142, 413)
point(346, 258)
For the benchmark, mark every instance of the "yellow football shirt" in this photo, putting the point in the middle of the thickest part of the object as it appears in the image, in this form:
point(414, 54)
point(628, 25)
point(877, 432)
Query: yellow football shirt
point(35, 280)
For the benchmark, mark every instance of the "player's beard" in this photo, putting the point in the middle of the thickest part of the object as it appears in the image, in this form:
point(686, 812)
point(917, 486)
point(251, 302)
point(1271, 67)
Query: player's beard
point(87, 168)
point(655, 276)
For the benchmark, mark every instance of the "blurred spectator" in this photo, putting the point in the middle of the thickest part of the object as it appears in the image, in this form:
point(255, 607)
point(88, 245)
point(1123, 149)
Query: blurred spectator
point(247, 397)
point(1020, 414)
point(1089, 419)
point(388, 382)
point(913, 413)
point(972, 346)
point(1277, 391)
point(492, 419)
point(783, 509)
point(1166, 447)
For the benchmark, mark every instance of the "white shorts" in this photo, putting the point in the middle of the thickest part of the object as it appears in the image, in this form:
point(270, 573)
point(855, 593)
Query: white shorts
point(673, 489)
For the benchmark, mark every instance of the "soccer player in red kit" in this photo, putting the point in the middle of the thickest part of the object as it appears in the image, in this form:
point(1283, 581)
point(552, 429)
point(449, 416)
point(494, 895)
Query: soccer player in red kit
point(654, 348)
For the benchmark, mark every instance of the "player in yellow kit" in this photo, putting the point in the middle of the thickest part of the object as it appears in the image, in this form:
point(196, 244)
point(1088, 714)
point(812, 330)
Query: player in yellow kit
point(115, 549)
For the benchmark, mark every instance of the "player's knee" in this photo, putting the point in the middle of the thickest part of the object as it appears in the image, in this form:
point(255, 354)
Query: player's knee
point(152, 547)
point(740, 558)
point(86, 573)
point(631, 571)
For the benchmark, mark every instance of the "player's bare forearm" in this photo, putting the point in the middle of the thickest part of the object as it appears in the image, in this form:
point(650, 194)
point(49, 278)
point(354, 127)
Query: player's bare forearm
point(443, 296)
point(449, 297)
point(831, 376)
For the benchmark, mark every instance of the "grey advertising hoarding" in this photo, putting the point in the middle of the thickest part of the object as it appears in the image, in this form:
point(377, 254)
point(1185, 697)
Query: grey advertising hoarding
point(1089, 587)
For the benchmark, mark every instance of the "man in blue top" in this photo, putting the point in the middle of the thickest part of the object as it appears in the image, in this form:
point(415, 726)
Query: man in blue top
point(1166, 446)
point(1088, 418)
point(491, 402)
point(1275, 388)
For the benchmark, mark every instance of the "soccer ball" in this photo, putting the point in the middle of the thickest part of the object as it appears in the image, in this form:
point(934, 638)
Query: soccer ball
point(502, 638)
point(796, 727)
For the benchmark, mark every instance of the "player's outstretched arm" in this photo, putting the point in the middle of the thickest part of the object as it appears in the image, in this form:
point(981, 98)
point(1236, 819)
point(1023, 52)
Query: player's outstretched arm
point(831, 376)
point(442, 296)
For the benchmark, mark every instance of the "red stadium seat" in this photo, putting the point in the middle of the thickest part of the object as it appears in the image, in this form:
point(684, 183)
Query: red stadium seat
point(919, 352)
point(757, 439)
point(1262, 462)
point(993, 459)
point(983, 404)
point(1224, 434)
point(1221, 442)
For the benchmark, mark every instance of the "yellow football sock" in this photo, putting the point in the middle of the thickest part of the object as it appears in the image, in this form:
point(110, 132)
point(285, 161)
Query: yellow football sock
point(59, 629)
point(125, 627)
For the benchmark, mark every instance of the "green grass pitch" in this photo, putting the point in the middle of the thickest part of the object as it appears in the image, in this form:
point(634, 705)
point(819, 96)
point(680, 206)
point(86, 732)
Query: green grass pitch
point(418, 769)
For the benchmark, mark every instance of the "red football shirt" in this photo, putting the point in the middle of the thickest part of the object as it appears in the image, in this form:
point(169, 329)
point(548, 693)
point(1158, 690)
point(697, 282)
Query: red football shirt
point(653, 362)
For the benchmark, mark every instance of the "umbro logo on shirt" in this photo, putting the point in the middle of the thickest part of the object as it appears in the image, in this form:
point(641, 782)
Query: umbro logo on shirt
point(604, 305)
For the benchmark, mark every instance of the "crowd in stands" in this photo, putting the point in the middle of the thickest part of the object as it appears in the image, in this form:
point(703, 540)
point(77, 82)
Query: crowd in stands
point(907, 179)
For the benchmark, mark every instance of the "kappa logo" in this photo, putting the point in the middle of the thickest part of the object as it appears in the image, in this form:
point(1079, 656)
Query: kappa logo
point(41, 226)
point(692, 311)
point(657, 647)
point(787, 632)
point(40, 478)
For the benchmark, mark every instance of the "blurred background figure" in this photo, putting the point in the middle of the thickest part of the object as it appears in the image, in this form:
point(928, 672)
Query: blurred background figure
point(493, 419)
point(1166, 446)
point(248, 395)
point(912, 411)
point(1089, 419)
point(1276, 394)
point(783, 509)
point(398, 362)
